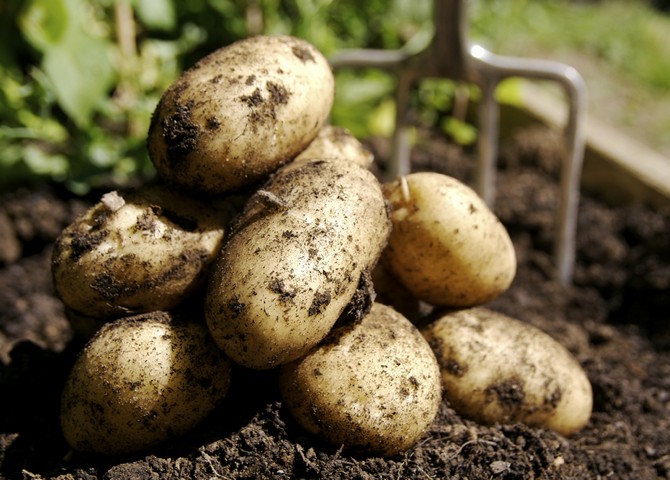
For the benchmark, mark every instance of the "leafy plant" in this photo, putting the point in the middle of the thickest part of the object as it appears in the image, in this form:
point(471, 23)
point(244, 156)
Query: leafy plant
point(79, 79)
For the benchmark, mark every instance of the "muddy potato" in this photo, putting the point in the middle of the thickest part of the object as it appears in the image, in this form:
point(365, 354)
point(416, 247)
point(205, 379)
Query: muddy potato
point(141, 381)
point(499, 369)
point(372, 386)
point(446, 246)
point(300, 253)
point(136, 252)
point(240, 113)
point(337, 143)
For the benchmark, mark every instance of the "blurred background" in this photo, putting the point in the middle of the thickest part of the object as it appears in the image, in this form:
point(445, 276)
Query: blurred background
point(79, 79)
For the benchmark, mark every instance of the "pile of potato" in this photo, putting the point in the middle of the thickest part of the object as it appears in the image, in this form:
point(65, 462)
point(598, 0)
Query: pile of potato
point(261, 247)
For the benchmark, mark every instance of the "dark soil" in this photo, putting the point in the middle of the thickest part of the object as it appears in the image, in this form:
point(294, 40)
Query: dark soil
point(614, 319)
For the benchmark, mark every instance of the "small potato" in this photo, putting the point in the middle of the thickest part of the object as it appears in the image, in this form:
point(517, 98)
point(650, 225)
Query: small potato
point(137, 252)
point(336, 143)
point(301, 251)
point(372, 386)
point(141, 381)
point(499, 369)
point(240, 113)
point(446, 246)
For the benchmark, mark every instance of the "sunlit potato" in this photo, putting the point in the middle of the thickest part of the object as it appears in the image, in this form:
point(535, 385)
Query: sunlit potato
point(373, 386)
point(141, 381)
point(496, 369)
point(240, 113)
point(446, 247)
point(138, 251)
point(337, 143)
point(301, 253)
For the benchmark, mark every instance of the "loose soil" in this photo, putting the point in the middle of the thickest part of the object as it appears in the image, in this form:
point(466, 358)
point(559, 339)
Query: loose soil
point(614, 319)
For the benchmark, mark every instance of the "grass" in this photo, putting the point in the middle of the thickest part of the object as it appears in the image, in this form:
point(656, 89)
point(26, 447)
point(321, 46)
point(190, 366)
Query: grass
point(622, 48)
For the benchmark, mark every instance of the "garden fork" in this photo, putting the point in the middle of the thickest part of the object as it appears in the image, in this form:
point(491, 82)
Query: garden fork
point(450, 55)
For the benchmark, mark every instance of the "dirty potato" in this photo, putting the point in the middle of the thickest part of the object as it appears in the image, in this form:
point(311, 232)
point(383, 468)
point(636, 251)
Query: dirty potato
point(240, 113)
point(136, 252)
point(372, 386)
point(446, 247)
point(496, 369)
point(337, 143)
point(141, 381)
point(299, 254)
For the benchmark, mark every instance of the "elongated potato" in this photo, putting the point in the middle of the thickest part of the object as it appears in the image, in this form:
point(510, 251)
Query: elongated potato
point(446, 246)
point(372, 386)
point(336, 143)
point(240, 113)
point(498, 369)
point(302, 247)
point(138, 251)
point(141, 381)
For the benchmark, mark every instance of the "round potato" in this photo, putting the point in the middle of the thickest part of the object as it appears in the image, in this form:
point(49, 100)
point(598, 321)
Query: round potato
point(140, 381)
point(372, 386)
point(499, 369)
point(337, 143)
point(301, 251)
point(446, 246)
point(240, 113)
point(137, 252)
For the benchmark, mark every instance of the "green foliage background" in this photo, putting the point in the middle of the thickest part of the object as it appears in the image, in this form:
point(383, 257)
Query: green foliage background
point(79, 79)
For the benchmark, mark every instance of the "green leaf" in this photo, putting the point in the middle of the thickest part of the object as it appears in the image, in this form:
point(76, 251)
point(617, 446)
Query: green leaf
point(44, 22)
point(76, 60)
point(41, 163)
point(462, 133)
point(156, 14)
point(81, 77)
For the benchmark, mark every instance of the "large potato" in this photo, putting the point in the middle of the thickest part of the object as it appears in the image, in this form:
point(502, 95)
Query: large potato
point(301, 250)
point(240, 113)
point(446, 247)
point(140, 381)
point(498, 369)
point(138, 251)
point(373, 385)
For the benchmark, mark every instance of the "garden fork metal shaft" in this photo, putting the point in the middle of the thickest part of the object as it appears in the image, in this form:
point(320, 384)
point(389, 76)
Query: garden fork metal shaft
point(450, 55)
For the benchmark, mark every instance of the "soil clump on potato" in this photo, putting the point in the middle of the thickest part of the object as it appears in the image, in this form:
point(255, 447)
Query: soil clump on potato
point(614, 320)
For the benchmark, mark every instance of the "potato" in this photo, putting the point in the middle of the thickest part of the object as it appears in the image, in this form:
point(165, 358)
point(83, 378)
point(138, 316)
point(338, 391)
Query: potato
point(136, 252)
point(446, 246)
point(336, 143)
point(302, 250)
point(499, 369)
point(141, 381)
point(240, 113)
point(372, 386)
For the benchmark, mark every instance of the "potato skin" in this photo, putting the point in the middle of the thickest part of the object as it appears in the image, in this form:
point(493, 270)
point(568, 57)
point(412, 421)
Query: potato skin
point(336, 143)
point(373, 386)
point(136, 252)
point(141, 381)
point(499, 369)
point(240, 113)
point(302, 247)
point(446, 246)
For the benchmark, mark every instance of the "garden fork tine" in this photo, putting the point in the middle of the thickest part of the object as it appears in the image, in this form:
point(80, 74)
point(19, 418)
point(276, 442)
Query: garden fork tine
point(450, 55)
